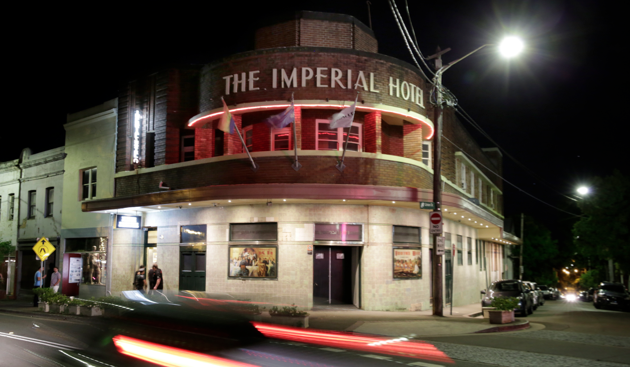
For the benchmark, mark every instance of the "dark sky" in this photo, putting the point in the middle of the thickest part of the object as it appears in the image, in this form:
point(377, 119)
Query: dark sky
point(558, 109)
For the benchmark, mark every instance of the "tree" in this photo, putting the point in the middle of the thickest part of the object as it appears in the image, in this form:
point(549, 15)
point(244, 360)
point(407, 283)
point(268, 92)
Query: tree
point(6, 248)
point(602, 233)
point(590, 279)
point(540, 253)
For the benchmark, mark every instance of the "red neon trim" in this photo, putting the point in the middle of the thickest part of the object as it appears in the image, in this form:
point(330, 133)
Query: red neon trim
point(409, 349)
point(280, 106)
point(168, 356)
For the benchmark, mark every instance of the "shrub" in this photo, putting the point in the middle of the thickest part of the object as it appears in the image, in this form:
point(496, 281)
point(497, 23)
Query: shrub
point(505, 303)
point(287, 311)
point(44, 293)
point(59, 299)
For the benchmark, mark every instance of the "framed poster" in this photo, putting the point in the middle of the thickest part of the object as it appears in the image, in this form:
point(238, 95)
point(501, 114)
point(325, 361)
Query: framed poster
point(76, 265)
point(407, 263)
point(251, 262)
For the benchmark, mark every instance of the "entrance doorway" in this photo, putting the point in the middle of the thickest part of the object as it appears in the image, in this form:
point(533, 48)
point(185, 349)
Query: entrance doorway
point(192, 271)
point(336, 275)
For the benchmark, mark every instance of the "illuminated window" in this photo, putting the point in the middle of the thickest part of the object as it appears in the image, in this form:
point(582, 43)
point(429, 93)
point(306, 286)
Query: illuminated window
point(281, 139)
point(50, 199)
point(88, 183)
point(426, 153)
point(334, 139)
point(32, 205)
point(188, 148)
point(248, 135)
point(195, 233)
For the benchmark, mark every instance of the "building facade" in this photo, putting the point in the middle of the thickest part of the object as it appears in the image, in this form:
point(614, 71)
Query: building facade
point(176, 190)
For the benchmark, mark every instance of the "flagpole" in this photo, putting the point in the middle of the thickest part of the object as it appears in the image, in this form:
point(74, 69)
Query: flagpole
point(296, 165)
point(340, 166)
point(254, 166)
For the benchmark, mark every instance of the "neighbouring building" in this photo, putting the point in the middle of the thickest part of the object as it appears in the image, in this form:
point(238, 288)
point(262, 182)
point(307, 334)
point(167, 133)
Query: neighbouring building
point(174, 189)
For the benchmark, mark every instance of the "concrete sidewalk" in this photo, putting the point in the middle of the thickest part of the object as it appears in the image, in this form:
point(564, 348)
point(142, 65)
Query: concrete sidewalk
point(349, 318)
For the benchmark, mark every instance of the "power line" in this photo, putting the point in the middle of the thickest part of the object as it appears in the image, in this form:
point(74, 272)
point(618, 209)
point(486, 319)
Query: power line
point(508, 182)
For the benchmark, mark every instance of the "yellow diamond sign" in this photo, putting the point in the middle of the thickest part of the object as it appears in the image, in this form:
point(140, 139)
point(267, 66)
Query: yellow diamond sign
point(43, 249)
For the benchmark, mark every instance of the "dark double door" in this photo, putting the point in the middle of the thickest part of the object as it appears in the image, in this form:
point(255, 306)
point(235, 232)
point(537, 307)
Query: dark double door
point(192, 271)
point(332, 278)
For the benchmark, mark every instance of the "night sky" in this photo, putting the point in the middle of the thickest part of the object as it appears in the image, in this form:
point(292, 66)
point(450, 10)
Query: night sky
point(558, 109)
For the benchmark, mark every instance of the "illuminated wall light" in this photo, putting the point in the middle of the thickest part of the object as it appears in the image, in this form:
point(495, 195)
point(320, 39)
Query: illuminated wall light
point(136, 136)
point(455, 213)
point(189, 204)
point(159, 207)
point(229, 201)
point(284, 199)
point(462, 216)
point(393, 202)
point(445, 209)
point(486, 226)
point(469, 219)
point(475, 221)
point(344, 199)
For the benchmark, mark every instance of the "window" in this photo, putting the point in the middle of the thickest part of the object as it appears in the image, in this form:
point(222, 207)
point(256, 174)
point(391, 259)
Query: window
point(188, 148)
point(281, 139)
point(333, 139)
point(0, 207)
point(248, 134)
point(88, 183)
point(480, 189)
point(460, 258)
point(93, 257)
point(11, 205)
point(483, 254)
point(472, 183)
point(462, 177)
point(193, 233)
point(477, 254)
point(426, 153)
point(469, 243)
point(491, 197)
point(404, 234)
point(32, 198)
point(50, 199)
point(447, 243)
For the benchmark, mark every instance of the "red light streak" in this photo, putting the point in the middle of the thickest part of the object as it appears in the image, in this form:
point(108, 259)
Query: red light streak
point(408, 349)
point(307, 105)
point(168, 356)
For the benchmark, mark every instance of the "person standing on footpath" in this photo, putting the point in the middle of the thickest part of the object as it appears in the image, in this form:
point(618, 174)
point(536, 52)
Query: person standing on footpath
point(38, 284)
point(55, 279)
point(156, 283)
point(139, 280)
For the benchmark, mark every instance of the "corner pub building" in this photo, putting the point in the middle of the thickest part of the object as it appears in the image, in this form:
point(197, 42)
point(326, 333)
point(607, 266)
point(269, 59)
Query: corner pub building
point(184, 194)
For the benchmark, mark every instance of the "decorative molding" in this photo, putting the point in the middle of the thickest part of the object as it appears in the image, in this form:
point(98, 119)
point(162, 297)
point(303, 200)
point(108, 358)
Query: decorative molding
point(111, 113)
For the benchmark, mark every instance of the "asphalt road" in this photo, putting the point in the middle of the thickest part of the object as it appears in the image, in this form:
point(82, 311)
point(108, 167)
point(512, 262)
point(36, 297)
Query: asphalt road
point(563, 334)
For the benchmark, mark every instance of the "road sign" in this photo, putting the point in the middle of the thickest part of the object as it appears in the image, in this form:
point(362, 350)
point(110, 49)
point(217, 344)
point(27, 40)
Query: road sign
point(436, 223)
point(427, 205)
point(440, 246)
point(43, 249)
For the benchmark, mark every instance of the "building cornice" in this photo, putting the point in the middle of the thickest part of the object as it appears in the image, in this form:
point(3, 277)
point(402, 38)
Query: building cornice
point(45, 160)
point(111, 113)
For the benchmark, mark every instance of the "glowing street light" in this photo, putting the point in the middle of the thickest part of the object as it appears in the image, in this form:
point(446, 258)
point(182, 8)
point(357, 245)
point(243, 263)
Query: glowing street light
point(583, 190)
point(511, 46)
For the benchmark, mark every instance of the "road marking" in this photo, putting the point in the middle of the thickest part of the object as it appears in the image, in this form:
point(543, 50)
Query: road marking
point(332, 349)
point(36, 341)
point(376, 357)
point(423, 364)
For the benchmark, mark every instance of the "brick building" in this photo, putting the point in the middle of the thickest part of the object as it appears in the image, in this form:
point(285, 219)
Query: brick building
point(313, 235)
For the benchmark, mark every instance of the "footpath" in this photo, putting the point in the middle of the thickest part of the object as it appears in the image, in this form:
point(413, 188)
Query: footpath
point(464, 320)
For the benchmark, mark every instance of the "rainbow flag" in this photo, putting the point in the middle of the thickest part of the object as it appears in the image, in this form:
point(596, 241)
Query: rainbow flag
point(226, 124)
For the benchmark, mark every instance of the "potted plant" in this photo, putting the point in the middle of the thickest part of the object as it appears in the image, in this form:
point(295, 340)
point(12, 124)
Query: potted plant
point(504, 310)
point(113, 306)
point(289, 315)
point(91, 308)
point(74, 306)
point(44, 295)
point(252, 311)
point(58, 302)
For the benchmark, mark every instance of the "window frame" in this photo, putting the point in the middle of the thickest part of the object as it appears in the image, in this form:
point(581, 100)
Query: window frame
point(11, 211)
point(1, 207)
point(48, 205)
point(472, 183)
point(32, 204)
point(460, 255)
point(90, 184)
point(462, 178)
point(274, 132)
point(469, 243)
point(340, 137)
point(246, 130)
point(183, 150)
point(429, 145)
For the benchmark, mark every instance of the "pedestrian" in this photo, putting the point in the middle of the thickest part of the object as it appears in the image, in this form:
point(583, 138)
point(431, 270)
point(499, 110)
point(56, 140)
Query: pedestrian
point(55, 279)
point(156, 282)
point(37, 284)
point(139, 280)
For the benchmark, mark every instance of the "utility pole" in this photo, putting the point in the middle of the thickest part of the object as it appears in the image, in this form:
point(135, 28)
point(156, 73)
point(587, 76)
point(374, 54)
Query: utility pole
point(521, 268)
point(438, 293)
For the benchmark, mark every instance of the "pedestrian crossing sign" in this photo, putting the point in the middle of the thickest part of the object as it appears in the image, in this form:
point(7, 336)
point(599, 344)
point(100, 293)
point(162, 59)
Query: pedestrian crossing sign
point(43, 249)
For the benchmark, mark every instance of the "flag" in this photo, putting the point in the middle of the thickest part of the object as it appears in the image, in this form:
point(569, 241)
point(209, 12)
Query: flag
point(226, 124)
point(282, 119)
point(344, 118)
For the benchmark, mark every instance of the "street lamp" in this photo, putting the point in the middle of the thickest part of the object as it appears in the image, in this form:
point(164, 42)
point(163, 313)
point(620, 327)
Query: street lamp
point(509, 47)
point(583, 190)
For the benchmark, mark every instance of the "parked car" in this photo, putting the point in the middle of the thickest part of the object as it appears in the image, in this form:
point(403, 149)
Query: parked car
point(611, 295)
point(555, 293)
point(586, 296)
point(546, 292)
point(538, 297)
point(511, 288)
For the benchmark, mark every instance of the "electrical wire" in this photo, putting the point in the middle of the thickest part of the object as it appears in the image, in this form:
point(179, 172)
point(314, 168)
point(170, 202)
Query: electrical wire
point(508, 182)
point(415, 44)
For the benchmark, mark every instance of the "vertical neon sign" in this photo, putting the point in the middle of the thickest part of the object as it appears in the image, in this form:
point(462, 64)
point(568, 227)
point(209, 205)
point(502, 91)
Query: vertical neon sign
point(136, 136)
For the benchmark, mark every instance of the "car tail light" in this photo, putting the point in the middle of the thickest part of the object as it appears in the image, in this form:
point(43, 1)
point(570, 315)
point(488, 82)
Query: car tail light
point(168, 356)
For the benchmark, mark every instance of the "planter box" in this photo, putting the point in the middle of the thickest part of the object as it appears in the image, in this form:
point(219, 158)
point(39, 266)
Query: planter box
point(501, 317)
point(43, 306)
point(91, 311)
point(74, 310)
point(112, 312)
point(301, 321)
point(485, 310)
point(57, 308)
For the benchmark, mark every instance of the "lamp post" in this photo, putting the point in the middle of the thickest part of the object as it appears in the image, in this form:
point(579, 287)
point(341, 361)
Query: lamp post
point(509, 47)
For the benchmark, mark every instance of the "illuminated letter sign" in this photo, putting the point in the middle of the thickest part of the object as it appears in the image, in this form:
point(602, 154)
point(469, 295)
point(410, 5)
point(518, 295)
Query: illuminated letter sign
point(128, 221)
point(136, 136)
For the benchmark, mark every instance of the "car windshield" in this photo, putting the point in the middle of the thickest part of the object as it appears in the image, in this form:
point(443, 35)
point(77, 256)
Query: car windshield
point(544, 288)
point(505, 287)
point(614, 288)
